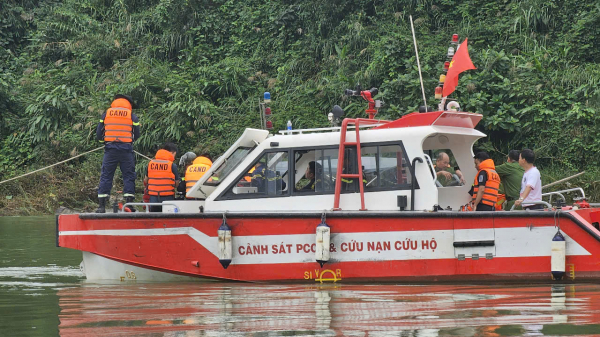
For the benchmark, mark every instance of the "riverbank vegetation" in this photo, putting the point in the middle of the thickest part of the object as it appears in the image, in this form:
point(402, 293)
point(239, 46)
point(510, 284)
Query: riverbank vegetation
point(198, 68)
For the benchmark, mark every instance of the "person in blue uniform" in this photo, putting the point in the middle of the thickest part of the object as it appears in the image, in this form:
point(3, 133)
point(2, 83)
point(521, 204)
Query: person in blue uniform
point(119, 127)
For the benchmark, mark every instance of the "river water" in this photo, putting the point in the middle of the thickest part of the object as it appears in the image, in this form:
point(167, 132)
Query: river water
point(43, 293)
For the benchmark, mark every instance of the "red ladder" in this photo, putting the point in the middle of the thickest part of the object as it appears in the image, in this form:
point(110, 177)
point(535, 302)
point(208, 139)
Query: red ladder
point(340, 166)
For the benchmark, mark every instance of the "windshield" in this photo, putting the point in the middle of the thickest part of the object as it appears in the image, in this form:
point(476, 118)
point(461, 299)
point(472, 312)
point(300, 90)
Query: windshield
point(228, 165)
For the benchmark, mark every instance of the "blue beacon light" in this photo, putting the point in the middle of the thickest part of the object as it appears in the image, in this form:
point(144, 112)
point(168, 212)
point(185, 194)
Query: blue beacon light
point(267, 97)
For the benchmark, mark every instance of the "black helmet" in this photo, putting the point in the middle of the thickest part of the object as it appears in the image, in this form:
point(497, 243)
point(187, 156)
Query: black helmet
point(127, 97)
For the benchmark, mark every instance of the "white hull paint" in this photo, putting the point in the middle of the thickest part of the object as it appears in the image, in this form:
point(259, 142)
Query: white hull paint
point(96, 267)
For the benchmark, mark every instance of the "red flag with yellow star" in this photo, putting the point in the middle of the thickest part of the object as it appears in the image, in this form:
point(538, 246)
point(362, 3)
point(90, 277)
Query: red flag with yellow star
point(460, 62)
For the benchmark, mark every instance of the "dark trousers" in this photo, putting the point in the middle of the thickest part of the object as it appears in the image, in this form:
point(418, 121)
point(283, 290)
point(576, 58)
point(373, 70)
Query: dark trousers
point(126, 160)
point(156, 198)
point(533, 207)
point(482, 207)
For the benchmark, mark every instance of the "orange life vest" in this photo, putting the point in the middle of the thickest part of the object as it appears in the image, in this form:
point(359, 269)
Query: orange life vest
point(500, 202)
point(161, 179)
point(195, 171)
point(118, 125)
point(490, 193)
point(248, 176)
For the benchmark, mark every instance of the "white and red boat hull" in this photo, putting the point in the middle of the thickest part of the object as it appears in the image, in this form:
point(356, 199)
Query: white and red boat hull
point(365, 246)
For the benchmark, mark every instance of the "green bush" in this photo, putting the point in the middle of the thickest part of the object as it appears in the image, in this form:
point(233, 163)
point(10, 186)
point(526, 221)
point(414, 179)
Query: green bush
point(198, 68)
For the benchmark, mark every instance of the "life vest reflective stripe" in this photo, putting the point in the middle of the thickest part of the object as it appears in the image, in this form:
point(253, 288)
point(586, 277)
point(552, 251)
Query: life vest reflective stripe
point(118, 125)
point(490, 192)
point(248, 176)
point(317, 181)
point(161, 179)
point(501, 200)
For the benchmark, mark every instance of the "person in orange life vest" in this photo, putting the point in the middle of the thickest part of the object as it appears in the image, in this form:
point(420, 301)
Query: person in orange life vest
point(119, 127)
point(162, 176)
point(194, 172)
point(487, 182)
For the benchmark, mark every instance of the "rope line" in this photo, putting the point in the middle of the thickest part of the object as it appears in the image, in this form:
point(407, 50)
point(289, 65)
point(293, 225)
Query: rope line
point(47, 167)
point(142, 155)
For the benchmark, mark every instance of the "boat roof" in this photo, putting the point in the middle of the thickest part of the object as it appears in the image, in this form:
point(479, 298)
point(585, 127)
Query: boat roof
point(465, 120)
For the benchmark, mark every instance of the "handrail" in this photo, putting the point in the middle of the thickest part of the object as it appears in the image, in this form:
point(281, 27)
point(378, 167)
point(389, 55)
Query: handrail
point(565, 191)
point(150, 204)
point(535, 203)
point(333, 128)
point(572, 190)
point(412, 182)
point(431, 168)
point(552, 193)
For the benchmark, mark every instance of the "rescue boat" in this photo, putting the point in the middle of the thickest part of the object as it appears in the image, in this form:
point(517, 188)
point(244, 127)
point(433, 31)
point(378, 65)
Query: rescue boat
point(374, 211)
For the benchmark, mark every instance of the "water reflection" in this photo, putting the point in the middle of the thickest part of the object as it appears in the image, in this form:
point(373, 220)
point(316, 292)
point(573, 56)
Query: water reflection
point(209, 309)
point(42, 294)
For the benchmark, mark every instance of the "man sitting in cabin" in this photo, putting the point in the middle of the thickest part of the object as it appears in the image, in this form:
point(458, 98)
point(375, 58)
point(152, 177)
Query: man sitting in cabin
point(444, 172)
point(312, 170)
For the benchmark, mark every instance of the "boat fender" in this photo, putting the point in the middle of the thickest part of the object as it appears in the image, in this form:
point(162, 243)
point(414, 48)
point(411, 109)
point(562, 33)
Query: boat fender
point(557, 259)
point(225, 251)
point(323, 239)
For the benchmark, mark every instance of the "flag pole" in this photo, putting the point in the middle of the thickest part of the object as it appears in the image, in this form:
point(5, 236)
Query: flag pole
point(418, 63)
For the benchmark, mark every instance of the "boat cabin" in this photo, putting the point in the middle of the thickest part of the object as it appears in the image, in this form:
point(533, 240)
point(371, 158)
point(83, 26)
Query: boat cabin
point(297, 170)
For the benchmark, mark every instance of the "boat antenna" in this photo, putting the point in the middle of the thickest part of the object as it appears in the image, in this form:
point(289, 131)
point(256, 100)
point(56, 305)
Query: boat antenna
point(412, 27)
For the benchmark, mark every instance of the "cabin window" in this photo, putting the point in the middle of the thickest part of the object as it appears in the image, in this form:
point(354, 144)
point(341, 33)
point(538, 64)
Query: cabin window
point(385, 167)
point(447, 172)
point(228, 165)
point(267, 177)
point(315, 170)
point(324, 163)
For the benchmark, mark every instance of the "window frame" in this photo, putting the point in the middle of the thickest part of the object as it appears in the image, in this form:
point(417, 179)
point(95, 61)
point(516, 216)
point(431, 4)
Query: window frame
point(433, 159)
point(355, 168)
point(225, 196)
point(408, 166)
point(216, 184)
point(317, 148)
point(291, 191)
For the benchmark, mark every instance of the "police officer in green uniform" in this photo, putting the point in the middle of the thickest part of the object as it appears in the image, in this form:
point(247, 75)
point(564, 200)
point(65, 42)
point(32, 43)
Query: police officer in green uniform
point(511, 174)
